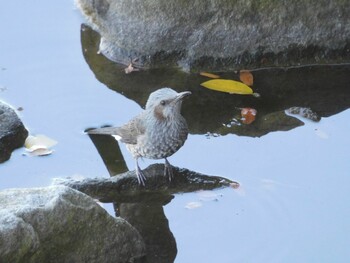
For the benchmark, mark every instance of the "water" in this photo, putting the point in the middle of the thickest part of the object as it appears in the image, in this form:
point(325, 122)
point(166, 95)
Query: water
point(292, 205)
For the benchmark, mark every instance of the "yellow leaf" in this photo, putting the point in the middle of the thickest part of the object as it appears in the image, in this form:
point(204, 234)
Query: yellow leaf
point(209, 75)
point(229, 86)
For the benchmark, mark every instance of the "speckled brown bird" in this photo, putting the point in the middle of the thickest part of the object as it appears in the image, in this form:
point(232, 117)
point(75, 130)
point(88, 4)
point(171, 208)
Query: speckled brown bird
point(157, 132)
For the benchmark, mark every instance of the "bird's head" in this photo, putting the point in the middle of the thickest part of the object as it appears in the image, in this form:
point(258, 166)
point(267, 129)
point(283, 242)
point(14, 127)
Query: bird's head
point(166, 103)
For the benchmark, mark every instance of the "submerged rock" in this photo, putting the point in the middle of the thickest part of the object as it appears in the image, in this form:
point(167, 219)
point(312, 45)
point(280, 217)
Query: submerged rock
point(12, 132)
point(221, 35)
point(59, 224)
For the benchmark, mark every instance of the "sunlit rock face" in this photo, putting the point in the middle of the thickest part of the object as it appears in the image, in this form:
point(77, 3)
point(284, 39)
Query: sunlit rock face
point(221, 34)
point(59, 224)
point(12, 132)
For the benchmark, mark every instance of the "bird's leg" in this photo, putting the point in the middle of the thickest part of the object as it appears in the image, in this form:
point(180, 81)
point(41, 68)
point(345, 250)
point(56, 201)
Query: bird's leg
point(168, 169)
point(140, 176)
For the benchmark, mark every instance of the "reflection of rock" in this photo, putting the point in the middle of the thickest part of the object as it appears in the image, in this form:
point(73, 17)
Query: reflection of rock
point(276, 121)
point(59, 224)
point(324, 89)
point(12, 132)
point(221, 34)
point(149, 219)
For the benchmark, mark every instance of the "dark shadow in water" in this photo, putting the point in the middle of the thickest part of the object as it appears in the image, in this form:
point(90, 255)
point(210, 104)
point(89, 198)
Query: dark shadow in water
point(149, 219)
point(323, 89)
point(142, 206)
point(110, 153)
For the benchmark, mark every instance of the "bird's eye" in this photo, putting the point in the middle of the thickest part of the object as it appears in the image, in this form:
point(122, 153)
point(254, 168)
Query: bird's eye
point(162, 102)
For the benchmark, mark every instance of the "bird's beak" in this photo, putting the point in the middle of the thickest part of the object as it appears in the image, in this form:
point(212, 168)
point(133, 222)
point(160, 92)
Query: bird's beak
point(182, 95)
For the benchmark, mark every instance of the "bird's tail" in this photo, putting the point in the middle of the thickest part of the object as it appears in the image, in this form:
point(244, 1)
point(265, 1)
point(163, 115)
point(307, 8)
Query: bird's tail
point(103, 131)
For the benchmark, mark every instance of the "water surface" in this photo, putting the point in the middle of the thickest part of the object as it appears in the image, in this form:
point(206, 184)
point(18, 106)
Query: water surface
point(292, 205)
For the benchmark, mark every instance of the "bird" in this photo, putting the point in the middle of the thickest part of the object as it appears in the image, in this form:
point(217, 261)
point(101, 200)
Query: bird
point(156, 133)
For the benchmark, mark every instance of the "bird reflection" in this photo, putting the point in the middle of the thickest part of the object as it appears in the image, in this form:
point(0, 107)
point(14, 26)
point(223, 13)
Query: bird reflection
point(150, 221)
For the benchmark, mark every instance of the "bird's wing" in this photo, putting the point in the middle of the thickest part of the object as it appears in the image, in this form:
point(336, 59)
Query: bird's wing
point(129, 132)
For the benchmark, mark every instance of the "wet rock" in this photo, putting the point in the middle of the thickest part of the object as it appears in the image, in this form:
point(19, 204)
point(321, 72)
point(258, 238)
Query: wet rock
point(59, 224)
point(142, 206)
point(305, 112)
point(125, 185)
point(221, 34)
point(12, 132)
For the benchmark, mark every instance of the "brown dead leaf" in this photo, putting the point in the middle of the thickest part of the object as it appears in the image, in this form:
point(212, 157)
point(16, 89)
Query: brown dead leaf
point(246, 77)
point(209, 75)
point(234, 185)
point(248, 115)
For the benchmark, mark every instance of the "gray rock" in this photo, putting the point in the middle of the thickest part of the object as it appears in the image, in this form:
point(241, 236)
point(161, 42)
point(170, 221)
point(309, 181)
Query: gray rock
point(221, 34)
point(59, 224)
point(126, 187)
point(12, 132)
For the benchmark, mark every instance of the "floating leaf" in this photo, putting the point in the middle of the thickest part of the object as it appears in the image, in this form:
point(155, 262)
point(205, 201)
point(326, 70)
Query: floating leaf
point(209, 75)
point(193, 205)
point(41, 140)
point(229, 86)
point(37, 150)
point(234, 185)
point(248, 115)
point(246, 77)
point(39, 145)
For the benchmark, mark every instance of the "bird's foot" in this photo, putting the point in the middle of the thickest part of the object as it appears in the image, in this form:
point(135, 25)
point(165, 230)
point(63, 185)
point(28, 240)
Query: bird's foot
point(168, 170)
point(141, 178)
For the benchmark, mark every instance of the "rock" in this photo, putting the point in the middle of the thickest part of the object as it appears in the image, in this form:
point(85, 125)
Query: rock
point(221, 35)
point(12, 132)
point(142, 206)
point(126, 187)
point(59, 224)
point(304, 112)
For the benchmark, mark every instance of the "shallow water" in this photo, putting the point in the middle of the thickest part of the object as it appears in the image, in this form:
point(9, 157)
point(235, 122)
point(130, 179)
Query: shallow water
point(292, 205)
